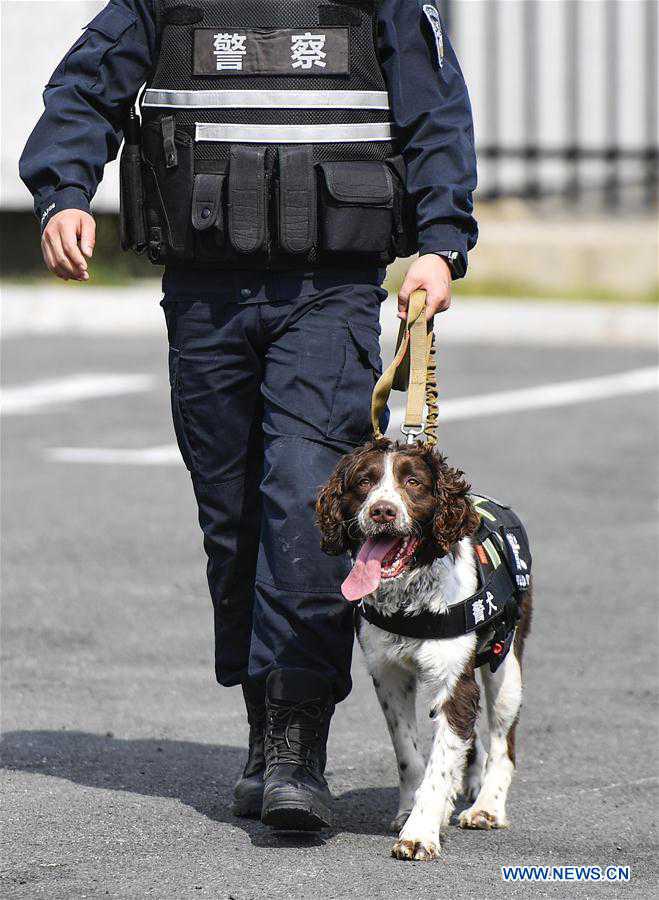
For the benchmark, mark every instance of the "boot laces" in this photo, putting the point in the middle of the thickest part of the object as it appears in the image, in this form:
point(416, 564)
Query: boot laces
point(295, 732)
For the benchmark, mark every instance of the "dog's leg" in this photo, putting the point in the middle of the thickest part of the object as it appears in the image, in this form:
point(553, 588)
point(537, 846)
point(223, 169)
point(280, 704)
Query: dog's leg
point(396, 690)
point(454, 717)
point(503, 691)
point(476, 760)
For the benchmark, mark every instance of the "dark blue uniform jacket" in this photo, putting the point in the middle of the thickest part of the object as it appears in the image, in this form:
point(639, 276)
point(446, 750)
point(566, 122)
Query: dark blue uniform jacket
point(88, 94)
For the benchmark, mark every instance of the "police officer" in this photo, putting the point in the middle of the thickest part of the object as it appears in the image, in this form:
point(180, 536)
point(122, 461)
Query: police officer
point(287, 152)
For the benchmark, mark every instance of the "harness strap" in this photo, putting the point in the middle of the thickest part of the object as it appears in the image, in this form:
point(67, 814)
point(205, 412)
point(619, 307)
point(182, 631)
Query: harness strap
point(477, 612)
point(412, 369)
point(503, 562)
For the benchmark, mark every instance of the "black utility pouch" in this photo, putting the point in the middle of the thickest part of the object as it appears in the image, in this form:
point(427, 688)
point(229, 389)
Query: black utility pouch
point(132, 230)
point(296, 199)
point(208, 204)
point(247, 201)
point(209, 214)
point(356, 207)
point(169, 156)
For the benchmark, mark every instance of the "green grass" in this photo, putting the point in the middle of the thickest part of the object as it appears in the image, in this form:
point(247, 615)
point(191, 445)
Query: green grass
point(518, 289)
point(102, 274)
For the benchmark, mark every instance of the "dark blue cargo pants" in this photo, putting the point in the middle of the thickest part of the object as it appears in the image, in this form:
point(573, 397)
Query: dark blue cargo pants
point(271, 381)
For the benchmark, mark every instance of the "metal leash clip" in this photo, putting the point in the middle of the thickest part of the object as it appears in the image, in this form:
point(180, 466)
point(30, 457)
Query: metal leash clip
point(411, 432)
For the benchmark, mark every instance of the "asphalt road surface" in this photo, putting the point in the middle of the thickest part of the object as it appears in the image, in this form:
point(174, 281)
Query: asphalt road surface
point(120, 752)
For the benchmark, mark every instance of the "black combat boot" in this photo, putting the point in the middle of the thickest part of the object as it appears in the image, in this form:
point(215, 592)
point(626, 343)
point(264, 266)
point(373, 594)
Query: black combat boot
point(299, 706)
point(248, 793)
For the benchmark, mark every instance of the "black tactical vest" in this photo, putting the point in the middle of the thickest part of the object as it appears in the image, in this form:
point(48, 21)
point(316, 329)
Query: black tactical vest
point(266, 140)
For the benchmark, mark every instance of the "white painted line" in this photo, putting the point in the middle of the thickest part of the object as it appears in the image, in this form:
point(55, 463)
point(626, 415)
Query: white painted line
point(29, 398)
point(562, 393)
point(51, 308)
point(164, 455)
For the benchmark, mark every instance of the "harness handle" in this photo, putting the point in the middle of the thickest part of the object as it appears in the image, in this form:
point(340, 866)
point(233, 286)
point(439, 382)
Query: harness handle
point(413, 369)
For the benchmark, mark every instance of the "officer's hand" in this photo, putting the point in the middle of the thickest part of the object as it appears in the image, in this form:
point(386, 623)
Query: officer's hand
point(430, 273)
point(67, 239)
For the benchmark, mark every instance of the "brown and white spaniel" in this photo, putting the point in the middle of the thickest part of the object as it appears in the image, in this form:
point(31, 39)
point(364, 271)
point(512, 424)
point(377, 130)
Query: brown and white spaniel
point(406, 518)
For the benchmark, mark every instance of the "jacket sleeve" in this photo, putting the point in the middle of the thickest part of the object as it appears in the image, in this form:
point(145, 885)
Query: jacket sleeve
point(432, 115)
point(84, 104)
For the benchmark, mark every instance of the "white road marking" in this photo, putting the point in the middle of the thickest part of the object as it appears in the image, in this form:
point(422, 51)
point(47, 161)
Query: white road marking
point(561, 393)
point(30, 398)
point(164, 455)
point(564, 393)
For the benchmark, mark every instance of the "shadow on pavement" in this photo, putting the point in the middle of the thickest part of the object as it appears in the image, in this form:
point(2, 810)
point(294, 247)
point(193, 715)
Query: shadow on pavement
point(200, 775)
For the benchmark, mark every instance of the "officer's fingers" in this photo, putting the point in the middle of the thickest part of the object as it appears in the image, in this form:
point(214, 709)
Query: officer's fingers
point(72, 261)
point(63, 267)
point(437, 302)
point(87, 234)
point(70, 246)
point(445, 303)
point(441, 306)
point(48, 256)
point(69, 240)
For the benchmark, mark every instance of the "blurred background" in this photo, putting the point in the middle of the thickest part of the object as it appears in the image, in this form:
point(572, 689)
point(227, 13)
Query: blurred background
point(119, 751)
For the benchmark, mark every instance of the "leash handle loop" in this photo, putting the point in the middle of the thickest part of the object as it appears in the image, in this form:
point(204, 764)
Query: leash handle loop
point(413, 369)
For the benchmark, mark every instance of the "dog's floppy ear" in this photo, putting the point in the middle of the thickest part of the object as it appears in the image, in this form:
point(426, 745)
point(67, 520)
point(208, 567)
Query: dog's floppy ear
point(329, 518)
point(455, 516)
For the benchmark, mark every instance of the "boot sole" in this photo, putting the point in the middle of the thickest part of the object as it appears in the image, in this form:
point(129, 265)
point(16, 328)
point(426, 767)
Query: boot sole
point(291, 815)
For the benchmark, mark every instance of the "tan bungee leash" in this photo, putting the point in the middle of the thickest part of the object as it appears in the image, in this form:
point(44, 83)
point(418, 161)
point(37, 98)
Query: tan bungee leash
point(412, 370)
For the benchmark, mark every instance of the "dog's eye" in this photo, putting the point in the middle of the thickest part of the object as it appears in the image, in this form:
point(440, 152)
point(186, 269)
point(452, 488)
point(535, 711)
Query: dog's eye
point(413, 482)
point(364, 482)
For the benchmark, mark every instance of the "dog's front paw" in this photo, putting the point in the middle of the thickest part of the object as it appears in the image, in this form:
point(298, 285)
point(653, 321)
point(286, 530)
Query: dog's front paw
point(397, 824)
point(481, 819)
point(422, 851)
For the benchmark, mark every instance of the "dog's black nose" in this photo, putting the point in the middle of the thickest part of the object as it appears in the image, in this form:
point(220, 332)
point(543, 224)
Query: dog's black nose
point(382, 512)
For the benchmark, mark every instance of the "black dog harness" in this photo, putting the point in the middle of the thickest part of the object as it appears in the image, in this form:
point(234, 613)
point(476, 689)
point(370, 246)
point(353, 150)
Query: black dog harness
point(503, 563)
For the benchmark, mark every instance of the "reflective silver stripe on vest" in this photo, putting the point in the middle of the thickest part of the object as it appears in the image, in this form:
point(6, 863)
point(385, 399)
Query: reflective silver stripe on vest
point(267, 99)
point(293, 134)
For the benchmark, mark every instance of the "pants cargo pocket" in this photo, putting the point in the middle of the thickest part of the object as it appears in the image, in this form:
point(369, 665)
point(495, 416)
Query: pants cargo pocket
point(356, 207)
point(350, 419)
point(177, 412)
point(310, 386)
point(204, 425)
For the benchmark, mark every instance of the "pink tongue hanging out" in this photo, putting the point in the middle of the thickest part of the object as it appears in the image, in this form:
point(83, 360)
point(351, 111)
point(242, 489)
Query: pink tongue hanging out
point(364, 577)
